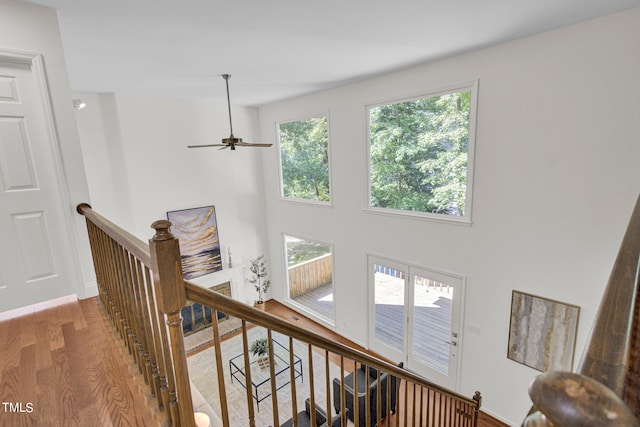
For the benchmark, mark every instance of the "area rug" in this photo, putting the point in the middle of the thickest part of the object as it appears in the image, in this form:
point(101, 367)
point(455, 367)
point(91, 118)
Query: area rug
point(202, 372)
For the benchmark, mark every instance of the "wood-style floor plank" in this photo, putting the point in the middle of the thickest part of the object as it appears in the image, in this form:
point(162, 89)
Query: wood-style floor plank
point(11, 345)
point(43, 347)
point(69, 364)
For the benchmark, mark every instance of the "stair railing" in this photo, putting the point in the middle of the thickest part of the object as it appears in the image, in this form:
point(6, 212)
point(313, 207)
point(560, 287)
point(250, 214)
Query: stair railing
point(140, 287)
point(605, 389)
point(142, 290)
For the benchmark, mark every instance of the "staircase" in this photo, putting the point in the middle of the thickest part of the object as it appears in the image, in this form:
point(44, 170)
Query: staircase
point(142, 290)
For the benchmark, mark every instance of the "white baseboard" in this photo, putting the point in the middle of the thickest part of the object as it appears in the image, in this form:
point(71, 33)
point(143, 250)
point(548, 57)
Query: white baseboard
point(30, 309)
point(90, 290)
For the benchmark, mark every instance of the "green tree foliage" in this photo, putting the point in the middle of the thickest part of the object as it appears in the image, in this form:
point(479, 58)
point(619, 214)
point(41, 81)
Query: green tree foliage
point(300, 250)
point(419, 154)
point(304, 150)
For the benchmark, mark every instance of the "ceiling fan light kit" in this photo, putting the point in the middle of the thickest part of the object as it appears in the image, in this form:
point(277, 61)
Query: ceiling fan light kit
point(231, 142)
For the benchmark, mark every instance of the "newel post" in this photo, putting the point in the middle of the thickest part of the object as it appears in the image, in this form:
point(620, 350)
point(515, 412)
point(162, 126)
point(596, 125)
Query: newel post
point(566, 399)
point(170, 295)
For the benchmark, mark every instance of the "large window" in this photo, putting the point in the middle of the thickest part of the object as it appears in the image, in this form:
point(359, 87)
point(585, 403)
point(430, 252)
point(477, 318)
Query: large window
point(304, 159)
point(310, 275)
point(421, 154)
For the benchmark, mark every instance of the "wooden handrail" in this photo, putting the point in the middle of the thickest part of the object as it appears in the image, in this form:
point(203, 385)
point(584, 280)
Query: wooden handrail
point(607, 354)
point(136, 246)
point(598, 394)
point(238, 309)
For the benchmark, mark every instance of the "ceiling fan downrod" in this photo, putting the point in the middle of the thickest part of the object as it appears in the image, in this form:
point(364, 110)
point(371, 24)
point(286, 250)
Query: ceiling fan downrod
point(226, 78)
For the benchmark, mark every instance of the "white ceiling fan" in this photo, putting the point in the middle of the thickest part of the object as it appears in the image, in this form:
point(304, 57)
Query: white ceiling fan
point(231, 141)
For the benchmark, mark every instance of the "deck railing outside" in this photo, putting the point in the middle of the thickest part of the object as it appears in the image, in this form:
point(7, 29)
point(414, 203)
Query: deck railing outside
point(309, 275)
point(142, 290)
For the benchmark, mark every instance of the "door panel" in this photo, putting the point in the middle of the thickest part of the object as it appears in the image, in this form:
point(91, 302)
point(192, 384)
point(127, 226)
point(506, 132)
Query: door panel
point(34, 245)
point(16, 162)
point(431, 326)
point(389, 317)
point(434, 323)
point(415, 318)
point(35, 250)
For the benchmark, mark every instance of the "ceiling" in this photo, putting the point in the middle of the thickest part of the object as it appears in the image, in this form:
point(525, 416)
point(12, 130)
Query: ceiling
point(283, 48)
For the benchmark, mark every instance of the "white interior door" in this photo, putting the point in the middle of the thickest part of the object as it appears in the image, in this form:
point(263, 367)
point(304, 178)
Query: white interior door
point(35, 251)
point(415, 318)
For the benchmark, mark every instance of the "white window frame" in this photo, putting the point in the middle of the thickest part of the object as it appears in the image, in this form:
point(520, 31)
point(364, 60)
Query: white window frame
point(473, 107)
point(281, 195)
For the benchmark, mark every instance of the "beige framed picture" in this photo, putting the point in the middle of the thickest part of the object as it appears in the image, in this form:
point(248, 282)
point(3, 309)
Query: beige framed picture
point(542, 333)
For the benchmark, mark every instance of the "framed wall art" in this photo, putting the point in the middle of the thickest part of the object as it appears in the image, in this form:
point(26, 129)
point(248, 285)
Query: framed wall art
point(542, 334)
point(197, 232)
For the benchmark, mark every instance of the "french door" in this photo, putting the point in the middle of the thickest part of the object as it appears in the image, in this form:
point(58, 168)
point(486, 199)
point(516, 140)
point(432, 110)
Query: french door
point(415, 318)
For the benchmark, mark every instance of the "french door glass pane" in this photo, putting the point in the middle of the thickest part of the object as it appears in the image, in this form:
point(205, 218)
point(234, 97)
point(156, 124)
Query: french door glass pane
point(431, 335)
point(389, 307)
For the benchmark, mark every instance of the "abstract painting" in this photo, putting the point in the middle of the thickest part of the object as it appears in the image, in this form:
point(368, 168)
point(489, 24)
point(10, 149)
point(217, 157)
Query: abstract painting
point(197, 232)
point(542, 334)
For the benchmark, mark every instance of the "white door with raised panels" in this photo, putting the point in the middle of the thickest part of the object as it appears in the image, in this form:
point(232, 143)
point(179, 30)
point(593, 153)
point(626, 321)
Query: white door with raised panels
point(35, 248)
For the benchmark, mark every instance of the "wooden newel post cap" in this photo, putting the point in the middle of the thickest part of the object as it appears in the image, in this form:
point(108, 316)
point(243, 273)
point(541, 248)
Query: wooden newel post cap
point(81, 207)
point(478, 397)
point(162, 230)
point(572, 400)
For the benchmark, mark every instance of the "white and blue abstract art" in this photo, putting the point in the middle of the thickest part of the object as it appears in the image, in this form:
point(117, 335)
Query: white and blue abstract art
point(197, 232)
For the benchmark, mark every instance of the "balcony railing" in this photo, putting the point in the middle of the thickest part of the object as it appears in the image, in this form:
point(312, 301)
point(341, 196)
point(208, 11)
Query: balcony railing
point(142, 290)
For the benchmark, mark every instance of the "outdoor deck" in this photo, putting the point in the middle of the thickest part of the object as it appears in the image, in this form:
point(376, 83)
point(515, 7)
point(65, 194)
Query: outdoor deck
point(319, 300)
point(432, 315)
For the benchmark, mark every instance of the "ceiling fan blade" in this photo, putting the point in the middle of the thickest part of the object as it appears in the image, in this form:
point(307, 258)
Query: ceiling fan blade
point(251, 144)
point(207, 145)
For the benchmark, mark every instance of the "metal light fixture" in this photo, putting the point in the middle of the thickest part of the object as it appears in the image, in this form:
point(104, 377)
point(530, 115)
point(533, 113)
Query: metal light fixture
point(231, 142)
point(78, 104)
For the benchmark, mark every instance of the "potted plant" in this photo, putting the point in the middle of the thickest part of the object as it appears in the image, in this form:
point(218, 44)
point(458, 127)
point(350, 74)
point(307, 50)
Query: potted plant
point(259, 279)
point(260, 348)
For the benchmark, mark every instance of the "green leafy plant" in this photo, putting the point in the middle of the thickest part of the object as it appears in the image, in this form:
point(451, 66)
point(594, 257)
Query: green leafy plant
point(259, 347)
point(259, 279)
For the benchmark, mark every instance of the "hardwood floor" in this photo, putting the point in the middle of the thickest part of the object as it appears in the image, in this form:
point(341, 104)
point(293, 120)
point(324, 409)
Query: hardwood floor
point(66, 366)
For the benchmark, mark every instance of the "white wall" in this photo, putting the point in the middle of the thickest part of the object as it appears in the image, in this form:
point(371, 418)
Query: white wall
point(556, 177)
point(139, 166)
point(103, 154)
point(31, 28)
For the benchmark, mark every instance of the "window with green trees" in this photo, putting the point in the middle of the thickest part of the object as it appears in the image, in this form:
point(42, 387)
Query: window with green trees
point(420, 154)
point(304, 159)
